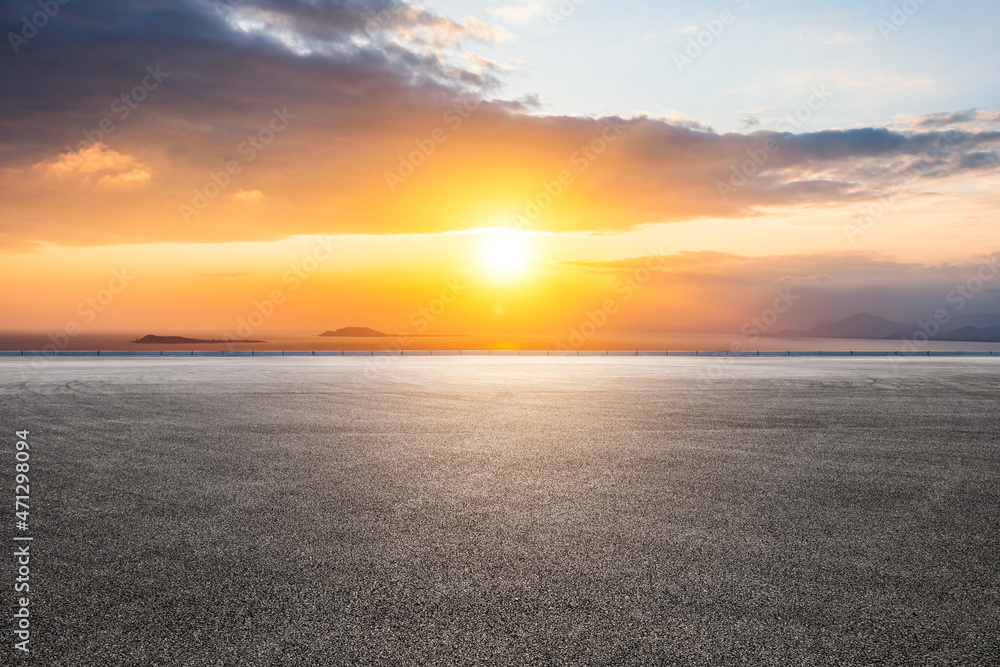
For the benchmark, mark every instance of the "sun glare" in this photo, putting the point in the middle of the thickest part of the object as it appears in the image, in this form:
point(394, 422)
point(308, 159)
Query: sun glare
point(505, 252)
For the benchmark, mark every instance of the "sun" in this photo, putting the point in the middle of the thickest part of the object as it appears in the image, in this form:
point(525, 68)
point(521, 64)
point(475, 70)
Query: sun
point(504, 252)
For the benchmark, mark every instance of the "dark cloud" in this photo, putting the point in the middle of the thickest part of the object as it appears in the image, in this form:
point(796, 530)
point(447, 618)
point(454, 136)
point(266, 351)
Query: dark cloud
point(226, 64)
point(952, 118)
point(980, 160)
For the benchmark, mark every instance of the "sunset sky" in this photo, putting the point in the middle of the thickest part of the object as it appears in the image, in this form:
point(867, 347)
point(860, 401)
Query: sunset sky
point(522, 163)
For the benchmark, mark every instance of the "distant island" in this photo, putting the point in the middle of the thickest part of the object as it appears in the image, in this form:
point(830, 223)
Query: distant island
point(969, 328)
point(181, 340)
point(357, 332)
point(365, 332)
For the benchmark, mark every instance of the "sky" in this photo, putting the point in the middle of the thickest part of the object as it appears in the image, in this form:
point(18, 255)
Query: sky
point(481, 167)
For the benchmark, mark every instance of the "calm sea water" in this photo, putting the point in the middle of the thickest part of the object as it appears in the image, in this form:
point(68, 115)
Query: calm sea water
point(293, 341)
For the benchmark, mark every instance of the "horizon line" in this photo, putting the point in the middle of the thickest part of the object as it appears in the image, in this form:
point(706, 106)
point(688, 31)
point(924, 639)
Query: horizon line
point(499, 353)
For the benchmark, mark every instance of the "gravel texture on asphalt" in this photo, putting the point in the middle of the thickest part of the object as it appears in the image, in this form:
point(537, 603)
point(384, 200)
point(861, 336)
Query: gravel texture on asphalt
point(508, 510)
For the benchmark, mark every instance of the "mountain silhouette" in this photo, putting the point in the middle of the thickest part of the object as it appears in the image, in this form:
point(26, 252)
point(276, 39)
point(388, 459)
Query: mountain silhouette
point(866, 325)
point(859, 325)
point(973, 335)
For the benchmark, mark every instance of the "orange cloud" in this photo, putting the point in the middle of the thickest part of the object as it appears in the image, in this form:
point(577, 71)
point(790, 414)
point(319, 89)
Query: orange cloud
point(249, 197)
point(96, 160)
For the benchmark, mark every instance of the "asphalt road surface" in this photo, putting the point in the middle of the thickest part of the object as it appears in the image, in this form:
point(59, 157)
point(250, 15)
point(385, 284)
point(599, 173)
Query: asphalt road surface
point(304, 511)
